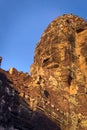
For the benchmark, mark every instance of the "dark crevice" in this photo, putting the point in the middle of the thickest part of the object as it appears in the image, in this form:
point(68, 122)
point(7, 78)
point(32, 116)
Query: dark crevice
point(46, 93)
point(79, 30)
point(69, 79)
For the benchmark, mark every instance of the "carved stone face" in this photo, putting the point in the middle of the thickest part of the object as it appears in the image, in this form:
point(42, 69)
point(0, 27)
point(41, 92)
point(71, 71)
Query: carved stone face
point(57, 42)
point(61, 61)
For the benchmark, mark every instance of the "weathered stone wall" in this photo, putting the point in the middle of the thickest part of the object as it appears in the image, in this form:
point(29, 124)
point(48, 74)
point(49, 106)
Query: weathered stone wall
point(60, 72)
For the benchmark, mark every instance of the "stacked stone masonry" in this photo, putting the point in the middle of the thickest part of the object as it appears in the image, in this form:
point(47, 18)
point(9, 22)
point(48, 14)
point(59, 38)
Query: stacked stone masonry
point(61, 62)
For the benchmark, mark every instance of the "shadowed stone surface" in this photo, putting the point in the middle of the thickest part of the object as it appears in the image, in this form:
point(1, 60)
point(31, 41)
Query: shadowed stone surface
point(15, 111)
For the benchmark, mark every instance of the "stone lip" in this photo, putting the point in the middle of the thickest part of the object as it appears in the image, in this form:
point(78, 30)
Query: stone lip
point(15, 112)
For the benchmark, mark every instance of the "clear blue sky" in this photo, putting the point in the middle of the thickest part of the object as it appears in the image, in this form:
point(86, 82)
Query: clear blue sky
point(22, 23)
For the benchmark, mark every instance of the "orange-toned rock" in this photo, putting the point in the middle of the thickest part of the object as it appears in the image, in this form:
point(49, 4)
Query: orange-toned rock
point(61, 61)
point(57, 85)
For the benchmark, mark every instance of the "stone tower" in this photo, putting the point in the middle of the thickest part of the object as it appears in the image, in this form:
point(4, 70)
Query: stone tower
point(59, 73)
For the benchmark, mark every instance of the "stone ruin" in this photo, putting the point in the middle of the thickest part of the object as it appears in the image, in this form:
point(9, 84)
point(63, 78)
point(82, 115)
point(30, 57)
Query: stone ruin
point(57, 84)
point(59, 72)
